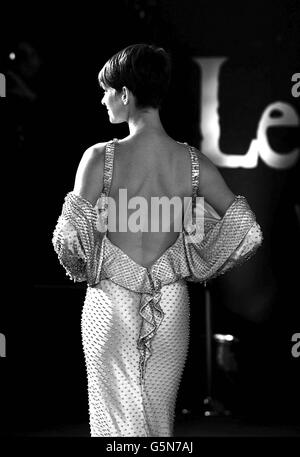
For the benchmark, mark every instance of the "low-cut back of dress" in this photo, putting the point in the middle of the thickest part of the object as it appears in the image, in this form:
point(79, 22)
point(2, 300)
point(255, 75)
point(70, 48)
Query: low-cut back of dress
point(135, 332)
point(135, 320)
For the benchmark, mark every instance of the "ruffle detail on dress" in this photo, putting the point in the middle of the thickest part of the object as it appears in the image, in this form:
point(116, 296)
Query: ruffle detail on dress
point(152, 316)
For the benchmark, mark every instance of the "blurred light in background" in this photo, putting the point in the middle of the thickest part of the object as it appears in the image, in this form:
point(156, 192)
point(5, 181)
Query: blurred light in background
point(224, 338)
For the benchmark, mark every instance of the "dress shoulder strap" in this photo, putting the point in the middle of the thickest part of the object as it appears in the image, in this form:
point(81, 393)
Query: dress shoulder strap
point(195, 169)
point(108, 165)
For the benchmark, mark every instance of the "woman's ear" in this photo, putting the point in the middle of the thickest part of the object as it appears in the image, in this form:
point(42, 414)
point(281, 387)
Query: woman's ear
point(125, 95)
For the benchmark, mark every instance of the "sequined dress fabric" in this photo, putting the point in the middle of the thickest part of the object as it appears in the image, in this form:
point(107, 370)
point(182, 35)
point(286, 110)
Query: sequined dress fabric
point(135, 320)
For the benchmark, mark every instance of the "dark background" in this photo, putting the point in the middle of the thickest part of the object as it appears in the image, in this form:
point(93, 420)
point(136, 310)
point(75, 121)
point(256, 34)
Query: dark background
point(52, 113)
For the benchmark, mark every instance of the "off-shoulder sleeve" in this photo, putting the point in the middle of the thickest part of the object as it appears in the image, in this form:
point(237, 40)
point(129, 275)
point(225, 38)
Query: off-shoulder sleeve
point(77, 239)
point(217, 244)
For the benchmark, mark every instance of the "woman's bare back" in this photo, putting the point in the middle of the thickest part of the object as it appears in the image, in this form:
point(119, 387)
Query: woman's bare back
point(148, 167)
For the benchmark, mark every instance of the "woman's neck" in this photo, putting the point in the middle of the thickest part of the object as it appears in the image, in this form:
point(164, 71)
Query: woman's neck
point(145, 122)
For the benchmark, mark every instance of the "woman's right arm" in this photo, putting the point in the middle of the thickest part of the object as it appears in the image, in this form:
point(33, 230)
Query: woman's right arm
point(212, 186)
point(226, 239)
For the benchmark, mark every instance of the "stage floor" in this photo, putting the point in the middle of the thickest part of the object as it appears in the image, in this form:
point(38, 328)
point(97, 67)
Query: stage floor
point(189, 426)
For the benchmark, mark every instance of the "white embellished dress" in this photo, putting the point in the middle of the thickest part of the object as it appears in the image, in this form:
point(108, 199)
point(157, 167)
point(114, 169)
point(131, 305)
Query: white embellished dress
point(135, 323)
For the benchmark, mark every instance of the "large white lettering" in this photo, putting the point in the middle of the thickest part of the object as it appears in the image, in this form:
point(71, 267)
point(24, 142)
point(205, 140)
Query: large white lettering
point(259, 146)
point(285, 116)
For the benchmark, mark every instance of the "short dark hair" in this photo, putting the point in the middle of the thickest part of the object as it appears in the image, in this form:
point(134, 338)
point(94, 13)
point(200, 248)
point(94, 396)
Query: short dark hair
point(144, 69)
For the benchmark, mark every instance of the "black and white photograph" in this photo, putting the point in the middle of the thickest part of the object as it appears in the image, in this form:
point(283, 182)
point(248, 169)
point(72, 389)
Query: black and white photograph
point(151, 253)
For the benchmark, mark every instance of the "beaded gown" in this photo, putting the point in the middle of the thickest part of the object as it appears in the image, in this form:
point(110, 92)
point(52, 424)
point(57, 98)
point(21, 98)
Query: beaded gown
point(135, 320)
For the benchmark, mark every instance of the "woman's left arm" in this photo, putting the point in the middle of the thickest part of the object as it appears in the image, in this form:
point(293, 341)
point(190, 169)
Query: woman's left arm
point(89, 175)
point(76, 238)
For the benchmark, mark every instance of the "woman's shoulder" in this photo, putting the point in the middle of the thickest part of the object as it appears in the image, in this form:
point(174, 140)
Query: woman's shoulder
point(95, 150)
point(89, 175)
point(205, 164)
point(94, 154)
